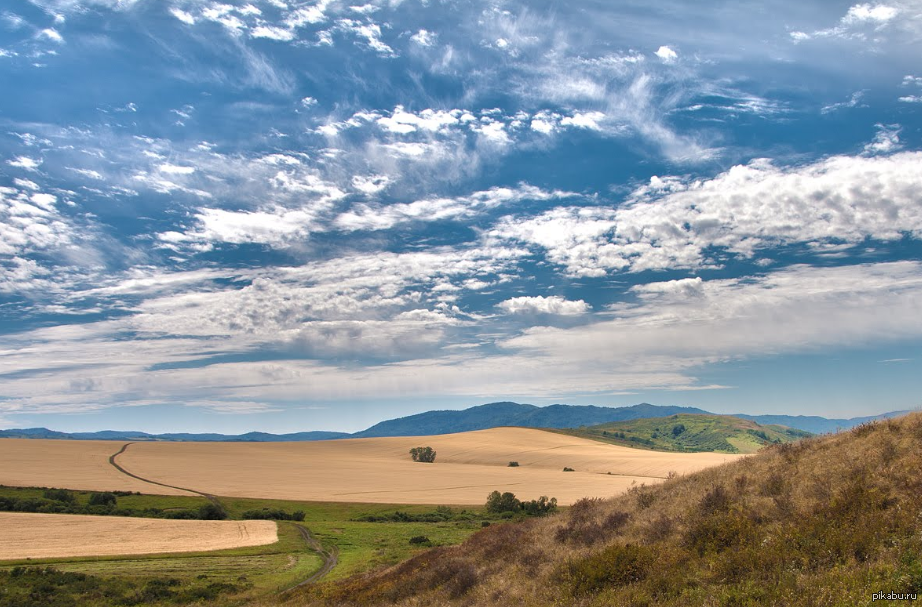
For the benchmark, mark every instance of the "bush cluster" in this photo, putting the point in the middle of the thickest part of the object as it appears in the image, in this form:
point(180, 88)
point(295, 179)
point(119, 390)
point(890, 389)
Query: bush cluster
point(273, 514)
point(64, 501)
point(50, 587)
point(422, 454)
point(501, 503)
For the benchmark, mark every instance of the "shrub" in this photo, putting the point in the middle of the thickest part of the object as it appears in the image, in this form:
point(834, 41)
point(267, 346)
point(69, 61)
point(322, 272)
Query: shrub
point(420, 539)
point(678, 429)
point(274, 514)
point(60, 495)
point(615, 566)
point(502, 502)
point(513, 465)
point(540, 507)
point(211, 512)
point(102, 499)
point(566, 469)
point(422, 454)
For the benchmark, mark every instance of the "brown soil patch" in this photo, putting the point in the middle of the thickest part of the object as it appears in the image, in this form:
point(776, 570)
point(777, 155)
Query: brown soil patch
point(36, 536)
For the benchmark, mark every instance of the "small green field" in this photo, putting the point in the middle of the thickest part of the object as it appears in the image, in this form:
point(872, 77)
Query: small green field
point(690, 433)
point(363, 536)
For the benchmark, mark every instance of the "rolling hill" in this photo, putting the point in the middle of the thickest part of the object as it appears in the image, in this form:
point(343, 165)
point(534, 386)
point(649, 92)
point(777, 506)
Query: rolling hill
point(825, 521)
point(688, 433)
point(481, 417)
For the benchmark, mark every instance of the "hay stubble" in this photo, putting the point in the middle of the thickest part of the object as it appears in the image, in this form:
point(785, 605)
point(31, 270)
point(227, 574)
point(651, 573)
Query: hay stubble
point(27, 535)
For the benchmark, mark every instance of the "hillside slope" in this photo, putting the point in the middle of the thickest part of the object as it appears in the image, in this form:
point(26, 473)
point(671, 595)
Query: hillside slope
point(691, 433)
point(494, 415)
point(825, 521)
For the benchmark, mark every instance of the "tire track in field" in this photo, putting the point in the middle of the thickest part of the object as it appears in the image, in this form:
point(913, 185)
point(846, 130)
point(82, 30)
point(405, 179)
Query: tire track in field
point(330, 559)
point(211, 498)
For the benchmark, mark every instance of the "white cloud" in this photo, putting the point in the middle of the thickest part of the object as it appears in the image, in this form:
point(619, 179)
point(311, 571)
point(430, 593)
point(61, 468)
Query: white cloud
point(666, 54)
point(678, 224)
point(51, 34)
point(858, 21)
point(588, 120)
point(371, 184)
point(864, 13)
point(24, 162)
point(173, 169)
point(367, 217)
point(182, 15)
point(370, 32)
point(424, 38)
point(886, 141)
point(273, 33)
point(402, 122)
point(544, 305)
point(277, 227)
point(853, 101)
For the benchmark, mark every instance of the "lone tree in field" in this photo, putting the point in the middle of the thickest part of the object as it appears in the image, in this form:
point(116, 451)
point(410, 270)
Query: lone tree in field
point(422, 454)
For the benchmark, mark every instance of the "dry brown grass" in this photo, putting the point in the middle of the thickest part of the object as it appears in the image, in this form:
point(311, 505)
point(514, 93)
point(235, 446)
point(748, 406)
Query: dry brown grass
point(27, 535)
point(824, 522)
point(377, 470)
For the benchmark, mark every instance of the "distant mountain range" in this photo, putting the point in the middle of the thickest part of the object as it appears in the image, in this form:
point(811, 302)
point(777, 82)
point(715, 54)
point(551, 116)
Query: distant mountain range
point(250, 437)
point(491, 415)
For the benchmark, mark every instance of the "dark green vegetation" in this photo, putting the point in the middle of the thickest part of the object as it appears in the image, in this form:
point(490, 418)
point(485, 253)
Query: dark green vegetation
point(50, 587)
point(422, 454)
point(114, 503)
point(501, 503)
point(824, 521)
point(690, 433)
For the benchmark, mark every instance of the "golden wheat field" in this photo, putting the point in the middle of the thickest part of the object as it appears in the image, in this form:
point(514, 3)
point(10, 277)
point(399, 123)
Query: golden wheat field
point(69, 464)
point(469, 466)
point(27, 535)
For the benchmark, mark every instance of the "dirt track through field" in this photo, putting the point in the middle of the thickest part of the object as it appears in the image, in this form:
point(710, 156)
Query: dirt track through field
point(213, 499)
point(28, 535)
point(330, 558)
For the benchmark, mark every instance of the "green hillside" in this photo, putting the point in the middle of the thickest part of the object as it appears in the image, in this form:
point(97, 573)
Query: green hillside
point(687, 432)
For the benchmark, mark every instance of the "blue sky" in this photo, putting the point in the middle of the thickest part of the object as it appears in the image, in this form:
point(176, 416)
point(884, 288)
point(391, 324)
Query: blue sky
point(293, 215)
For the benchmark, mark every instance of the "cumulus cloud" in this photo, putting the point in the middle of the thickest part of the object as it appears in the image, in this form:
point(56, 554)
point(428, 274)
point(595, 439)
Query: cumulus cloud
point(678, 224)
point(666, 54)
point(544, 305)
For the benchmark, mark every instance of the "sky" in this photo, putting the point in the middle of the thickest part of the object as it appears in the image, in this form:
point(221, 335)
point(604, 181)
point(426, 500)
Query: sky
point(287, 215)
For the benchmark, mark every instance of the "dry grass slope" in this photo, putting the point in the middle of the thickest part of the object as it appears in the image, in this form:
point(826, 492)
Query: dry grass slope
point(824, 522)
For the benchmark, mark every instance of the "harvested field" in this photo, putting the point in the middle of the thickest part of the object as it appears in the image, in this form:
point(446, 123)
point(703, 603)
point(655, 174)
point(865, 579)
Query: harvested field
point(469, 465)
point(65, 535)
point(378, 470)
point(80, 465)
